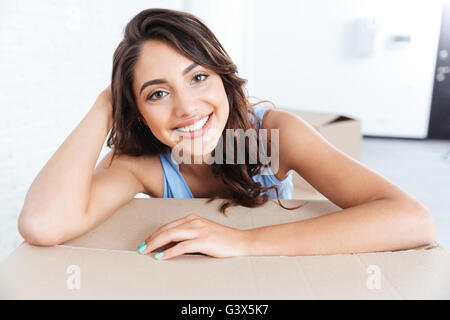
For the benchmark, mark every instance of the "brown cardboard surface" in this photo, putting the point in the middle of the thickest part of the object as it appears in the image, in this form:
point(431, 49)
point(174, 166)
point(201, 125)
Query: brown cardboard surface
point(341, 131)
point(111, 269)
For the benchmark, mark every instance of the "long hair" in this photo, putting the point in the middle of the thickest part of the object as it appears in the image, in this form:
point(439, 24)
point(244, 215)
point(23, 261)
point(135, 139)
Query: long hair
point(190, 37)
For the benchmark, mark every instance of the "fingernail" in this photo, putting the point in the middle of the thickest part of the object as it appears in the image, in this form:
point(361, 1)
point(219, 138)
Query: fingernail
point(159, 255)
point(142, 247)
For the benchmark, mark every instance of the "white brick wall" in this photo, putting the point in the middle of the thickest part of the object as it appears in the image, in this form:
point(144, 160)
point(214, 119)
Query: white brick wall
point(55, 58)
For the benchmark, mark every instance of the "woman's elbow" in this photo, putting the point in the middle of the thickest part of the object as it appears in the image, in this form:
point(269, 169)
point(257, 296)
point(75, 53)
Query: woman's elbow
point(426, 232)
point(36, 232)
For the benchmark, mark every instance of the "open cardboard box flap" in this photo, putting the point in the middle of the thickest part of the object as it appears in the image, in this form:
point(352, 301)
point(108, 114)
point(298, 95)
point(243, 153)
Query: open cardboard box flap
point(319, 119)
point(107, 266)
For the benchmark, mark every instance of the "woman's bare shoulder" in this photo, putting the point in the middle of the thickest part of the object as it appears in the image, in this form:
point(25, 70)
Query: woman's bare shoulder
point(148, 170)
point(272, 117)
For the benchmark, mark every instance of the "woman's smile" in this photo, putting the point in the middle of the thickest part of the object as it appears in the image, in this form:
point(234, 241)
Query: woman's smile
point(197, 129)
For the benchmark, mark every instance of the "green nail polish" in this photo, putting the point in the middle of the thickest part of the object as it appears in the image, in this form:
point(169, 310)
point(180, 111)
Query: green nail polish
point(142, 247)
point(159, 255)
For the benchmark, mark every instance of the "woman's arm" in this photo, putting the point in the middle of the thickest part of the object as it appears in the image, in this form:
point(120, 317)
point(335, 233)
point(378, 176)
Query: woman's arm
point(376, 214)
point(378, 225)
point(58, 198)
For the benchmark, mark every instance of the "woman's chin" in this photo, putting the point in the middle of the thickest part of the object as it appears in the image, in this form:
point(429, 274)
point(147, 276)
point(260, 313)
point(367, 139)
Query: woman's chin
point(205, 151)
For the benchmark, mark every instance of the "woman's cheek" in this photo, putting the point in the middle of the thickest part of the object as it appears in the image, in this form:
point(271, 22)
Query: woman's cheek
point(215, 93)
point(157, 126)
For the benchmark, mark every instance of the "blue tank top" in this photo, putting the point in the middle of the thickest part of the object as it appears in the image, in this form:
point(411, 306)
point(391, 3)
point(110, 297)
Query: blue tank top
point(176, 187)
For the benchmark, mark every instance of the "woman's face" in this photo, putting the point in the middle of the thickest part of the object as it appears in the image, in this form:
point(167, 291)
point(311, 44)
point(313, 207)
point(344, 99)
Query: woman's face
point(171, 90)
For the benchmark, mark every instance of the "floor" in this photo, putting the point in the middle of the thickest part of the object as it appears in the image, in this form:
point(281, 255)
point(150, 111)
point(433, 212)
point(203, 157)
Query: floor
point(419, 167)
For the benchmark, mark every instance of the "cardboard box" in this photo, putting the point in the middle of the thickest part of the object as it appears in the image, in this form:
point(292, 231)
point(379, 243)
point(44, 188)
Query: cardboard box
point(103, 264)
point(342, 132)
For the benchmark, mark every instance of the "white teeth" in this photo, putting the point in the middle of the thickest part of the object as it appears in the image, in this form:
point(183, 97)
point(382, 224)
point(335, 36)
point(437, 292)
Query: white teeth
point(199, 124)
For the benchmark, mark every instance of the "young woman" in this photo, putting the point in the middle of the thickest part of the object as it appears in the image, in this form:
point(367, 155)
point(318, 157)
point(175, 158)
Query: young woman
point(174, 85)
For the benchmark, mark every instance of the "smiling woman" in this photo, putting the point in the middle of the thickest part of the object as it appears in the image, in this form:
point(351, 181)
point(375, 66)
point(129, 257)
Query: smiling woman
point(175, 89)
point(171, 80)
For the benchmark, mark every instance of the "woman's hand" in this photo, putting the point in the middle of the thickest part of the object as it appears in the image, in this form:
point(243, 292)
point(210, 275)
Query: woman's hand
point(196, 234)
point(105, 102)
point(107, 93)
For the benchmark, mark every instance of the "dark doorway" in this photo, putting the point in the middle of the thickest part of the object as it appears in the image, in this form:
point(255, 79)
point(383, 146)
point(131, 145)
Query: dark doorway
point(439, 126)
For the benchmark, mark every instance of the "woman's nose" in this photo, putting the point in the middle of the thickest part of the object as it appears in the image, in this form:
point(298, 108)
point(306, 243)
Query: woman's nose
point(186, 106)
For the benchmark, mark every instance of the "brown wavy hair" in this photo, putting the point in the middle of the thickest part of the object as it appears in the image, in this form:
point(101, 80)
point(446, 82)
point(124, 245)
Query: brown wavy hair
point(192, 38)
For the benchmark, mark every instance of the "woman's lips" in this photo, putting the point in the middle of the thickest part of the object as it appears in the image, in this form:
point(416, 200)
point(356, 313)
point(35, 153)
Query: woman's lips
point(199, 132)
point(190, 122)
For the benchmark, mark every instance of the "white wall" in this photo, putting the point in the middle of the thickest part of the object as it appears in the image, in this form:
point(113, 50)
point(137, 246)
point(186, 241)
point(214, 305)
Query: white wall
point(303, 59)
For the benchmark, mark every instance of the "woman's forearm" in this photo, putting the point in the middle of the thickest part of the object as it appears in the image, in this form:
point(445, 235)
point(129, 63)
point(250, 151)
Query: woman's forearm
point(380, 225)
point(61, 190)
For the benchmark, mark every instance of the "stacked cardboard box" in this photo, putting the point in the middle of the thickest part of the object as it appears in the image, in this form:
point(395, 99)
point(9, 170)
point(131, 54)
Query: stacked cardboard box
point(103, 264)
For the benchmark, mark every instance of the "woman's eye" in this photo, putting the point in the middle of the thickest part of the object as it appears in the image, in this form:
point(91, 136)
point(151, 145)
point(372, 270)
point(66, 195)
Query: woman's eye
point(159, 93)
point(156, 93)
point(197, 76)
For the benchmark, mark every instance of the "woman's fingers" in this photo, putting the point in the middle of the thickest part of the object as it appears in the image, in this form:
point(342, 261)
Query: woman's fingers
point(196, 235)
point(174, 234)
point(171, 225)
point(188, 246)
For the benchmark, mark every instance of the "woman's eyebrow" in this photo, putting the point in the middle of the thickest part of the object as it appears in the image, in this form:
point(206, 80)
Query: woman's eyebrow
point(159, 81)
